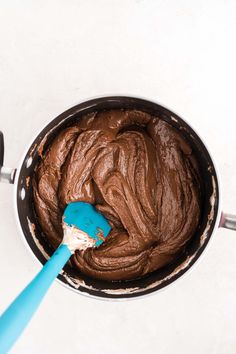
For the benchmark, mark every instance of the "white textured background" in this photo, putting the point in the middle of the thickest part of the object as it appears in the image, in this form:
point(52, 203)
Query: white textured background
point(181, 53)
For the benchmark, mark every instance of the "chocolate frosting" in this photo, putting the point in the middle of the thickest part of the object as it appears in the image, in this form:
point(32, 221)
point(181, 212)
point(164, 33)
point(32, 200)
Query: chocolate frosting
point(140, 173)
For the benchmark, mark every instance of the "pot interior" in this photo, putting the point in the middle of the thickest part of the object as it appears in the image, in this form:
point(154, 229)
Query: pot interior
point(122, 289)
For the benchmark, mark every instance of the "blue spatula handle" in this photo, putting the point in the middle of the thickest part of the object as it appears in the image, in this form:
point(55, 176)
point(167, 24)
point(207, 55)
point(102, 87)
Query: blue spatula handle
point(18, 314)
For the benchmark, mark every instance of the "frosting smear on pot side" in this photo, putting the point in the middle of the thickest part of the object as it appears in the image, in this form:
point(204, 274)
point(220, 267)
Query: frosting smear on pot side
point(140, 173)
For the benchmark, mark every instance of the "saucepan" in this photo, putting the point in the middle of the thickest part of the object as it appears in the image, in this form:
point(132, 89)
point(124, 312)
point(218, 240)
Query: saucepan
point(211, 217)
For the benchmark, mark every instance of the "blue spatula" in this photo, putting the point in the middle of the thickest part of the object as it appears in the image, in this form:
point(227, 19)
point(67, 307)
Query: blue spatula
point(83, 227)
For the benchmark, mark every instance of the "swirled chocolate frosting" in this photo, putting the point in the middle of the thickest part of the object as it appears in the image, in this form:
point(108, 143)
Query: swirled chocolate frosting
point(139, 172)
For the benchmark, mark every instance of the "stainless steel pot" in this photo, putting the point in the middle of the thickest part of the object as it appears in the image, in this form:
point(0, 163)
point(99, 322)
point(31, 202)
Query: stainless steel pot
point(211, 217)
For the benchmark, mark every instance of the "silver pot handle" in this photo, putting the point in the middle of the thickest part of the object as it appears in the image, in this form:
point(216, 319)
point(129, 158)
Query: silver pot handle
point(7, 174)
point(228, 221)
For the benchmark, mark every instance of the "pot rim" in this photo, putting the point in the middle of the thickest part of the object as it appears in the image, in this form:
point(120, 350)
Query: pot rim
point(136, 296)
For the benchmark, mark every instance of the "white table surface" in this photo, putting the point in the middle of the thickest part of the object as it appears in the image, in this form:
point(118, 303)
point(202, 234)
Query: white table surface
point(54, 54)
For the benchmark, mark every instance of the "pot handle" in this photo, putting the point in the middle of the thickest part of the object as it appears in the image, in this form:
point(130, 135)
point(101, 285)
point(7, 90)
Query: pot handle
point(228, 221)
point(7, 174)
